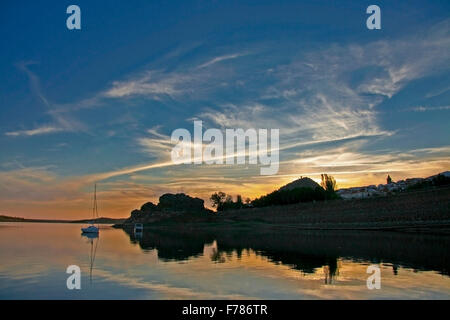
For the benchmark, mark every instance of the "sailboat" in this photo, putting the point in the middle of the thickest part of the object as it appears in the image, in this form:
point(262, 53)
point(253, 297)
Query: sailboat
point(92, 228)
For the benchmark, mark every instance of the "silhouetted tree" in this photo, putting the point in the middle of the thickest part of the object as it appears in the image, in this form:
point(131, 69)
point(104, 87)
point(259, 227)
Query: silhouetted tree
point(388, 179)
point(239, 202)
point(223, 201)
point(328, 183)
point(229, 199)
point(217, 199)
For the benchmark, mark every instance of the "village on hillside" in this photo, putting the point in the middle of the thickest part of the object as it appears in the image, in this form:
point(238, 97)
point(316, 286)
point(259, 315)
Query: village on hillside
point(385, 189)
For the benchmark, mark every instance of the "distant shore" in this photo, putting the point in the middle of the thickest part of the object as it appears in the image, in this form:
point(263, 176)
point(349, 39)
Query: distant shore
point(96, 221)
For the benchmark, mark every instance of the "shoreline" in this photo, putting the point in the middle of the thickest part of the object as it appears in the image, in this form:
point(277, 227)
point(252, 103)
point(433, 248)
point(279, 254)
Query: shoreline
point(425, 212)
point(426, 227)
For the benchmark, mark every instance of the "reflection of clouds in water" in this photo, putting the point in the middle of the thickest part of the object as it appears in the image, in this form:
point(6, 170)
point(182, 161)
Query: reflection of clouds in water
point(222, 266)
point(408, 284)
point(167, 291)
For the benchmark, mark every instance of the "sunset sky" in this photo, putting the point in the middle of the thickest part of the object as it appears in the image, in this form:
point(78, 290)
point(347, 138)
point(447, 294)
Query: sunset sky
point(99, 104)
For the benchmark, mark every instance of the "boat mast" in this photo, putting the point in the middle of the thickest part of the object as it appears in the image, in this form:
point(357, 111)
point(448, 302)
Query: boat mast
point(94, 208)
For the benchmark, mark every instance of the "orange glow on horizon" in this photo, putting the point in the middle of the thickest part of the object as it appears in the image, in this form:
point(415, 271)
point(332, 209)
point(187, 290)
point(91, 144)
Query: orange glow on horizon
point(118, 203)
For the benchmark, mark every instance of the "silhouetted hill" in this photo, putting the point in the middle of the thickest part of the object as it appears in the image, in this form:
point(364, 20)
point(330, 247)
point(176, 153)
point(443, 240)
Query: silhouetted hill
point(101, 220)
point(10, 219)
point(303, 182)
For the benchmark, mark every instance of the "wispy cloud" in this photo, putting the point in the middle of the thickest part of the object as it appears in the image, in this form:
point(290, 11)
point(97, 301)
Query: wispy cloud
point(61, 121)
point(151, 83)
point(314, 101)
point(157, 145)
point(221, 58)
point(424, 108)
point(185, 80)
point(438, 92)
point(324, 101)
point(33, 132)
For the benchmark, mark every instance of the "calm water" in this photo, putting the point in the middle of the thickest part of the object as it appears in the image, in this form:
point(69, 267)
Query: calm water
point(227, 265)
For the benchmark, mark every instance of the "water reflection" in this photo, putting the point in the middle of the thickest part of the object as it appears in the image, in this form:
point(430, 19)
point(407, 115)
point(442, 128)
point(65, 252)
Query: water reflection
point(93, 241)
point(225, 264)
point(306, 251)
point(171, 246)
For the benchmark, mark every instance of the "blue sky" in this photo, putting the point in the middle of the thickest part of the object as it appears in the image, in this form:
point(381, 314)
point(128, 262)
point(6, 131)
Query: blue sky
point(100, 103)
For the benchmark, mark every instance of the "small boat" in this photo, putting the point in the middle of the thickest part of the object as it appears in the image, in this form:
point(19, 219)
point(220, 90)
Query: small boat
point(92, 228)
point(138, 230)
point(138, 227)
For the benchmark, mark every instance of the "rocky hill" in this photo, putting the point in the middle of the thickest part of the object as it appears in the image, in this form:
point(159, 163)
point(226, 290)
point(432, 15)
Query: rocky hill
point(169, 206)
